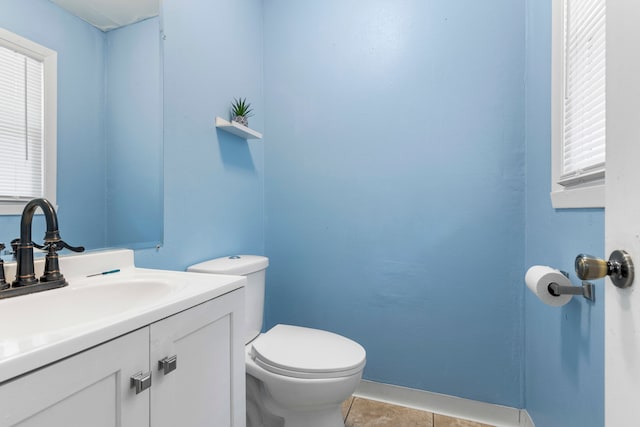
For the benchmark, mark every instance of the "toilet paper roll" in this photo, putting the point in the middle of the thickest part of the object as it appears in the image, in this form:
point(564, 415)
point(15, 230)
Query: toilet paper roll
point(538, 279)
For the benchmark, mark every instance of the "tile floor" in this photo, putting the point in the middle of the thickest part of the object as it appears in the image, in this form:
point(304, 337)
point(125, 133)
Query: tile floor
point(359, 412)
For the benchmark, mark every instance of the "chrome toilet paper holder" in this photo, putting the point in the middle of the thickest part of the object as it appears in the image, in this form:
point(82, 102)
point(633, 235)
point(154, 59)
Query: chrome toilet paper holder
point(587, 289)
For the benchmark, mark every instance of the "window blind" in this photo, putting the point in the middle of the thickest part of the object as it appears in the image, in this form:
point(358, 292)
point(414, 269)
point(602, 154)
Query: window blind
point(21, 126)
point(583, 156)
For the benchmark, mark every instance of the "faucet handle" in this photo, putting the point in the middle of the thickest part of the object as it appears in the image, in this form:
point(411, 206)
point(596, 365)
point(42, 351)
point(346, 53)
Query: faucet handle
point(42, 247)
point(61, 244)
point(58, 246)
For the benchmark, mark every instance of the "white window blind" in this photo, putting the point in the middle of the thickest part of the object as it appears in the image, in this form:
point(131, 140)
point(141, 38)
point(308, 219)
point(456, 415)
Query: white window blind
point(21, 126)
point(584, 110)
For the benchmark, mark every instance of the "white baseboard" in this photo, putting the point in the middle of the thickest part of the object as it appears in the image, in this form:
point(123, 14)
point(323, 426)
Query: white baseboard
point(487, 413)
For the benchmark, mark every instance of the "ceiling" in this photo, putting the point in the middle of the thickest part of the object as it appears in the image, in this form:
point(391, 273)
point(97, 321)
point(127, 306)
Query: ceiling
point(110, 14)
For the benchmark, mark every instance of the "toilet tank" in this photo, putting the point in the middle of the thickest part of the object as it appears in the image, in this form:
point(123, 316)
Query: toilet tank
point(251, 266)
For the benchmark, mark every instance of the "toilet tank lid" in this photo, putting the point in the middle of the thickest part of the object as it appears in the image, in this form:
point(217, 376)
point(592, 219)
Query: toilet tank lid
point(235, 264)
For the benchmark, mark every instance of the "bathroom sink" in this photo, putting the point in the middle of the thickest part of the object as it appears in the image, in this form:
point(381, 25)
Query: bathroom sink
point(38, 328)
point(77, 305)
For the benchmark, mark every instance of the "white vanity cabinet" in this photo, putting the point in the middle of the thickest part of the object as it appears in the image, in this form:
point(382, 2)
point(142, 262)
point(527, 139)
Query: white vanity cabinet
point(88, 389)
point(202, 386)
point(207, 387)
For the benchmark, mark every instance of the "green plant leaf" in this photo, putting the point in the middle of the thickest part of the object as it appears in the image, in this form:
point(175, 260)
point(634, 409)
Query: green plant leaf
point(240, 107)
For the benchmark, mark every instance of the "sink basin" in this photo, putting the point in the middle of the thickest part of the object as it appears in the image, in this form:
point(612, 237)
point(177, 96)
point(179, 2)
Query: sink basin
point(55, 312)
point(38, 328)
point(68, 307)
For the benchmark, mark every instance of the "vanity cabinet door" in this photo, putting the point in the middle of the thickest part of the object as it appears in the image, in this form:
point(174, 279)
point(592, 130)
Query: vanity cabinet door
point(204, 385)
point(91, 388)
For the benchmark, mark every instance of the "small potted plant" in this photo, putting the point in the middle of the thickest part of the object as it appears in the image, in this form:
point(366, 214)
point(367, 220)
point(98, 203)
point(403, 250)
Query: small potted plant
point(241, 111)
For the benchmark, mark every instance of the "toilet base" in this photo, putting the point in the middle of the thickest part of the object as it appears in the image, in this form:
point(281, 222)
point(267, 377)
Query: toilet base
point(262, 411)
point(328, 418)
point(257, 415)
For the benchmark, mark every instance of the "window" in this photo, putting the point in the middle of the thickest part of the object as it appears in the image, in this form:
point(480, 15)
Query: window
point(578, 103)
point(28, 102)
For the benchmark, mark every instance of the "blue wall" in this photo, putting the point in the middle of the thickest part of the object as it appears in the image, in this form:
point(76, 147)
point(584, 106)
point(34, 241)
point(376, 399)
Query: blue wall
point(564, 364)
point(395, 185)
point(81, 143)
point(213, 181)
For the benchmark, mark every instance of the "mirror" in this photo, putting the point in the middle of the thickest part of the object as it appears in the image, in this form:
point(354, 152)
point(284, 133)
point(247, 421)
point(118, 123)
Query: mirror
point(133, 136)
point(110, 166)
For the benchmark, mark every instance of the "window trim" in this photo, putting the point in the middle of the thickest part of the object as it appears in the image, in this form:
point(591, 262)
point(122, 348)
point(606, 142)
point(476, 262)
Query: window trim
point(574, 193)
point(49, 59)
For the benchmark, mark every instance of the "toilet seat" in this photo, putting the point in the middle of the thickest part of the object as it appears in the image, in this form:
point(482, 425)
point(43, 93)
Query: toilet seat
point(299, 352)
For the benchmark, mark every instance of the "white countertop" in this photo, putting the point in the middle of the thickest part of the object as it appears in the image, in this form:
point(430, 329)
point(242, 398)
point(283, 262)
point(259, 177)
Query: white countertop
point(44, 327)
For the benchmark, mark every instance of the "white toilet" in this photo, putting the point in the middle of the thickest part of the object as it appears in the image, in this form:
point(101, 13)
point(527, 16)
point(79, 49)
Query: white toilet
point(296, 377)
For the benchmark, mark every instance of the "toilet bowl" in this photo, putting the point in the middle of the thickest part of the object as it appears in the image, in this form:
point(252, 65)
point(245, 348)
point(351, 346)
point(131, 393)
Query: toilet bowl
point(296, 376)
point(305, 373)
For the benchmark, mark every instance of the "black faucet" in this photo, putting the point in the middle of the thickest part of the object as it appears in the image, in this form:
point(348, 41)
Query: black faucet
point(26, 281)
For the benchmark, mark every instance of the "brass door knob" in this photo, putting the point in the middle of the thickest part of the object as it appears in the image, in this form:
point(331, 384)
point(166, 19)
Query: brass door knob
point(619, 268)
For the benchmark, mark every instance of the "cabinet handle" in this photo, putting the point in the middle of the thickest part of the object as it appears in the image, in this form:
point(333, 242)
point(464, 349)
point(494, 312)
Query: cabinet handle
point(141, 381)
point(168, 364)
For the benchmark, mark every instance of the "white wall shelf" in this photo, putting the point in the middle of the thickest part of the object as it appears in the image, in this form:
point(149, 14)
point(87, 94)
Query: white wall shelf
point(237, 129)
